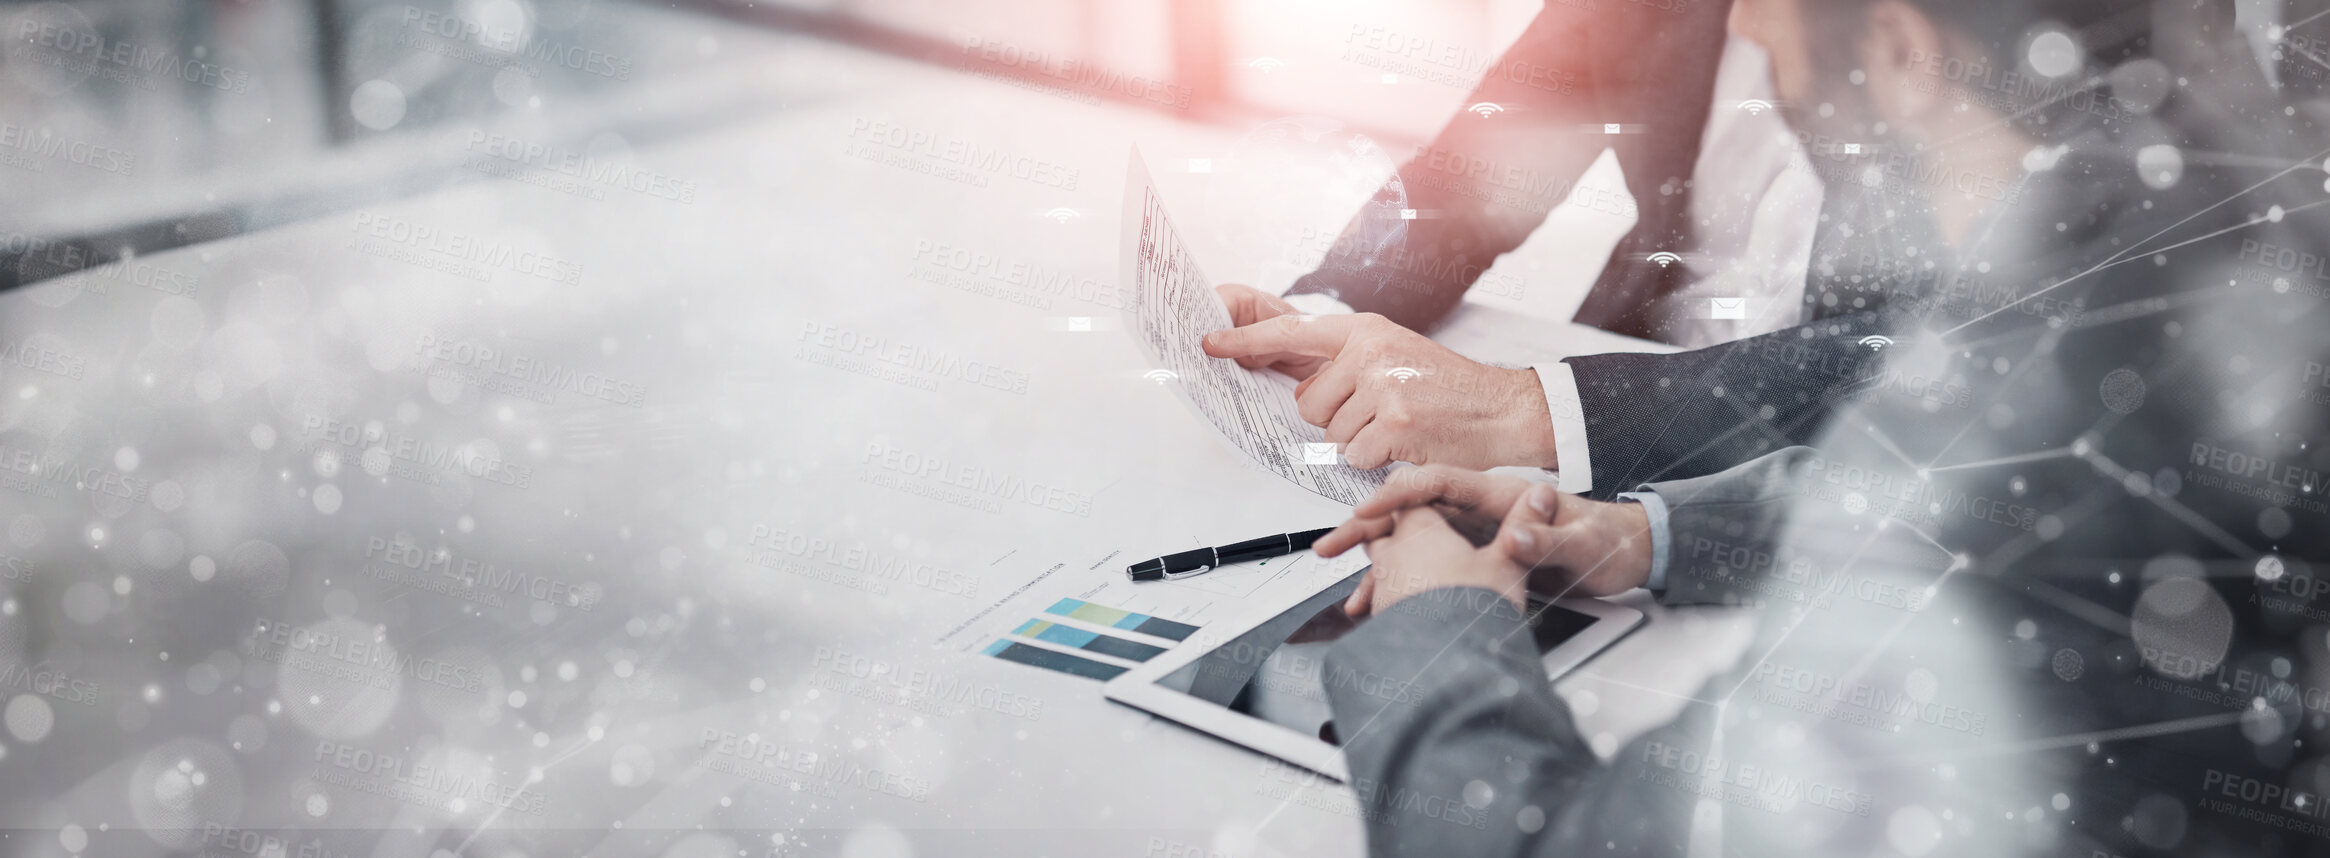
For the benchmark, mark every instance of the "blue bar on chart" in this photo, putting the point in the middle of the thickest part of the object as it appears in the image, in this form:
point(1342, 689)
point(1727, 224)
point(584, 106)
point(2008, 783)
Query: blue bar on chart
point(1052, 660)
point(1100, 615)
point(1095, 642)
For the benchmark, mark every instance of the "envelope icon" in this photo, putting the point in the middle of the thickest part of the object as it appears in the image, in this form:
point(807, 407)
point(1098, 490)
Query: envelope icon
point(1321, 453)
point(1727, 308)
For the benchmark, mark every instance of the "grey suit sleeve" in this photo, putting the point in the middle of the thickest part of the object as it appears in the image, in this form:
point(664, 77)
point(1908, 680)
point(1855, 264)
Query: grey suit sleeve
point(1458, 745)
point(1721, 528)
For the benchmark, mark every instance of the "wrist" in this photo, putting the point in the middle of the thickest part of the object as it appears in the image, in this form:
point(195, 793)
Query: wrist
point(1631, 560)
point(1529, 433)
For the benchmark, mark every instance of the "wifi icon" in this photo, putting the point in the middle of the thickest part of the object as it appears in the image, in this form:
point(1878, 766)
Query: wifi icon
point(1403, 374)
point(1664, 258)
point(1267, 64)
point(1876, 342)
point(1487, 109)
point(1755, 106)
point(1062, 215)
point(1161, 376)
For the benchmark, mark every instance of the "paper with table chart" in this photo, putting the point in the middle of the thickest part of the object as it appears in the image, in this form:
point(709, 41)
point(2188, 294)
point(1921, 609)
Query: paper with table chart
point(1173, 306)
point(1086, 619)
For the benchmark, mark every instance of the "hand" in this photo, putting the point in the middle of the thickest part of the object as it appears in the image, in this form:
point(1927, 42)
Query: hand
point(1421, 552)
point(1249, 305)
point(1387, 393)
point(1572, 545)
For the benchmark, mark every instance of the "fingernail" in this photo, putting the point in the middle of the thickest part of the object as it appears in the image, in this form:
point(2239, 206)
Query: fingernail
point(1524, 540)
point(1541, 499)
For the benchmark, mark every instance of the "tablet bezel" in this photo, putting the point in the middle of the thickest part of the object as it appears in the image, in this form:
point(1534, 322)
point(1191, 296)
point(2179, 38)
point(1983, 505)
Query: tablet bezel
point(1139, 686)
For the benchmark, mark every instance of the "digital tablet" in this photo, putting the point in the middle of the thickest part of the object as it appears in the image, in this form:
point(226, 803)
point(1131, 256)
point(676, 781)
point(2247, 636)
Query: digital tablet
point(1258, 682)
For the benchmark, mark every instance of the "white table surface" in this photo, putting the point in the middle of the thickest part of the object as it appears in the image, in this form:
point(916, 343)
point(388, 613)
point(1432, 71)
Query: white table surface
point(711, 310)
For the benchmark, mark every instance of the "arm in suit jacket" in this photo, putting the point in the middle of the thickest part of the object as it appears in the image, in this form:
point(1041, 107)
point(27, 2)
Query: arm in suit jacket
point(1460, 747)
point(1488, 182)
point(1654, 417)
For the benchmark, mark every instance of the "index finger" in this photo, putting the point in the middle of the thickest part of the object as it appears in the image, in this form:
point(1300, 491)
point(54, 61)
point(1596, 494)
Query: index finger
point(1314, 336)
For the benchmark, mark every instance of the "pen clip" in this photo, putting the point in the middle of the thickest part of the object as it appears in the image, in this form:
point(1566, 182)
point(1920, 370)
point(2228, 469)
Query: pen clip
point(1186, 573)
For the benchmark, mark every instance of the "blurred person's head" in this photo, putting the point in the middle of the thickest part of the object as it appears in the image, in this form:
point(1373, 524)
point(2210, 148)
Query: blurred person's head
point(1974, 81)
point(1902, 61)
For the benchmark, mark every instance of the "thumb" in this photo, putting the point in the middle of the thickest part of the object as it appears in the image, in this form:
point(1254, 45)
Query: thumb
point(1526, 534)
point(1362, 597)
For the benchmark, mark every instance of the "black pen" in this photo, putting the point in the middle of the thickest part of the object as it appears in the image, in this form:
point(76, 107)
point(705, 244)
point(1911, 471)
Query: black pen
point(1203, 560)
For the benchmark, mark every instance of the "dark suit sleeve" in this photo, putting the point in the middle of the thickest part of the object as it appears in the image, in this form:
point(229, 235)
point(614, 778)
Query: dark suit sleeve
point(1486, 182)
point(1656, 417)
point(1458, 745)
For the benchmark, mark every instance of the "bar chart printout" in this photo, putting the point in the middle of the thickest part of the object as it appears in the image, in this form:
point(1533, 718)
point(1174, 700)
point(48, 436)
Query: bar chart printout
point(1080, 638)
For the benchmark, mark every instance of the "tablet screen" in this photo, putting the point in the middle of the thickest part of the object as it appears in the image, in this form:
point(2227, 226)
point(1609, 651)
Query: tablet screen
point(1276, 672)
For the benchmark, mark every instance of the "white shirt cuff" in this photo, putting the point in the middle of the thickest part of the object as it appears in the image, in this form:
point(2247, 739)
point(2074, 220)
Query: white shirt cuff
point(1569, 427)
point(1315, 304)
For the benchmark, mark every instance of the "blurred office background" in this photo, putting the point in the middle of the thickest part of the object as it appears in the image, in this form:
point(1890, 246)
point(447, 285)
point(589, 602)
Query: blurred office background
point(136, 126)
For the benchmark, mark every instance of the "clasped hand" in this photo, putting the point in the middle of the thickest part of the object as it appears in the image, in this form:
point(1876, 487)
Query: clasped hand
point(1434, 527)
